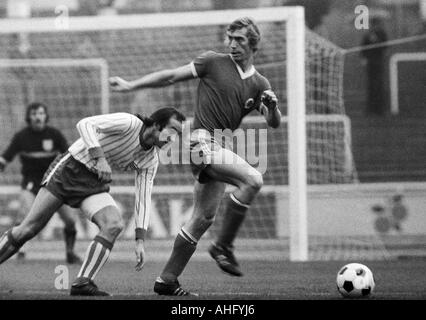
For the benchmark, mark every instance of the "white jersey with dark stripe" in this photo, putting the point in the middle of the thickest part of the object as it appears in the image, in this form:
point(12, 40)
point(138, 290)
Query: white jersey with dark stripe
point(118, 136)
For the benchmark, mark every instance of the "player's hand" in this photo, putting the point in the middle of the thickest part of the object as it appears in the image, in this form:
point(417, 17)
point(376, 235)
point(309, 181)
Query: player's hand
point(269, 99)
point(103, 170)
point(119, 84)
point(140, 255)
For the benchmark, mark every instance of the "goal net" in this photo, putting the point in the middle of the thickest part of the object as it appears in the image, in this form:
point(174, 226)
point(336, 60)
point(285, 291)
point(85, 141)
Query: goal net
point(68, 68)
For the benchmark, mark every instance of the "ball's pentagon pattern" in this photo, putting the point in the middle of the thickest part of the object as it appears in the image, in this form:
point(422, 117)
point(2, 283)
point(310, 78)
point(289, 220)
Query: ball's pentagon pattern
point(366, 291)
point(348, 286)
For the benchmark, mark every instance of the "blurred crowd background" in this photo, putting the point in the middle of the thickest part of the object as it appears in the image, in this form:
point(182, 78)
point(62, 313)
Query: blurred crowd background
point(331, 18)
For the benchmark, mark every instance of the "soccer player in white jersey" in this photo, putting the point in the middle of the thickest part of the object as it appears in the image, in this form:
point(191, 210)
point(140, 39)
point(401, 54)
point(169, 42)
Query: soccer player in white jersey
point(229, 89)
point(81, 178)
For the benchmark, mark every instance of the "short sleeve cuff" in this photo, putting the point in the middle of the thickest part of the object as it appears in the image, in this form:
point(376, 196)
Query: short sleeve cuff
point(193, 70)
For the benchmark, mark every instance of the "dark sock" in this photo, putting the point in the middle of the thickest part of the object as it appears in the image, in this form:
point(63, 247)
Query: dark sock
point(234, 215)
point(183, 248)
point(8, 246)
point(69, 237)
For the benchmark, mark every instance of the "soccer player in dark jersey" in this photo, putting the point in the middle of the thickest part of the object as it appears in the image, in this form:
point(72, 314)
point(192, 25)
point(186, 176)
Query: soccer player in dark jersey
point(37, 146)
point(229, 89)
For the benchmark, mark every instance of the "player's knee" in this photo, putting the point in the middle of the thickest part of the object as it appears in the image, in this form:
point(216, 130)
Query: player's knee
point(114, 226)
point(109, 221)
point(255, 181)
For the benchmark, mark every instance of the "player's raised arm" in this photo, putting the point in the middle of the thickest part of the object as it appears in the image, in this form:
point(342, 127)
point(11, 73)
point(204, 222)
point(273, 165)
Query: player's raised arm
point(144, 184)
point(161, 78)
point(269, 108)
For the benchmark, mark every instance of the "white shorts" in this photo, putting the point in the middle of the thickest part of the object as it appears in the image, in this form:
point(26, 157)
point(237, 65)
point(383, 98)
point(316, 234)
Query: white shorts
point(94, 203)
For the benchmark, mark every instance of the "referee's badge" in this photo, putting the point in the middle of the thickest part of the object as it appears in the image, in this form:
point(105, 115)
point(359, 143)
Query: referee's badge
point(47, 145)
point(249, 104)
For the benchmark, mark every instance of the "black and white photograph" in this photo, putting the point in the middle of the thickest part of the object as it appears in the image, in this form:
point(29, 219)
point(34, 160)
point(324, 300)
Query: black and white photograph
point(213, 158)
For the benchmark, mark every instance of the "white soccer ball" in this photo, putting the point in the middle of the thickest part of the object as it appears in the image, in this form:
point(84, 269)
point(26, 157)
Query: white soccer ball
point(355, 280)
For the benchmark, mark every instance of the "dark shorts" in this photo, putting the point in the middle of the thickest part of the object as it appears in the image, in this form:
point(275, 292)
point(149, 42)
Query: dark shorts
point(202, 148)
point(71, 181)
point(31, 184)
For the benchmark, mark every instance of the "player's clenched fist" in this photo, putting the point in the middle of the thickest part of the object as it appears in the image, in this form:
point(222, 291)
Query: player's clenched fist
point(269, 99)
point(119, 84)
point(103, 170)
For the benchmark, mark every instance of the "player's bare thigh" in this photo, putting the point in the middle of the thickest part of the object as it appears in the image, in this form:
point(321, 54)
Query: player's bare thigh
point(228, 167)
point(67, 214)
point(26, 199)
point(44, 206)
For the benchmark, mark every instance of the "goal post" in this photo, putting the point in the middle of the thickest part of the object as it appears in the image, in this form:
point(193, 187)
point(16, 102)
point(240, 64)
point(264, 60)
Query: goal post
point(297, 134)
point(393, 75)
point(312, 146)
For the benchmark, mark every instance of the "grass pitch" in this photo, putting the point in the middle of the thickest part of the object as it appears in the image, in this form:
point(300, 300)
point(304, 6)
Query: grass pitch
point(264, 279)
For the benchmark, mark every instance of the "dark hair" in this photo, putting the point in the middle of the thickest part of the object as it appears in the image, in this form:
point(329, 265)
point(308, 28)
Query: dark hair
point(253, 33)
point(35, 106)
point(161, 117)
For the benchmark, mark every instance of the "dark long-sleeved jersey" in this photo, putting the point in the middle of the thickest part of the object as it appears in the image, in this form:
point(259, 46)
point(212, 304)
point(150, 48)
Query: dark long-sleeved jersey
point(37, 149)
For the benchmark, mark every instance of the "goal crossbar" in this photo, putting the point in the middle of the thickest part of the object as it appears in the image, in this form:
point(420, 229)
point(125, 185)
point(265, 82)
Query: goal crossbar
point(157, 20)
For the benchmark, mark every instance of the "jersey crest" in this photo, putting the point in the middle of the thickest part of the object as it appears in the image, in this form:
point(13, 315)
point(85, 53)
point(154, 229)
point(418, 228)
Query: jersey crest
point(47, 144)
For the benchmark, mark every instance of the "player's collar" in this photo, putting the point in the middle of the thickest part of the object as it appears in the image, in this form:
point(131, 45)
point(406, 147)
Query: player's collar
point(244, 74)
